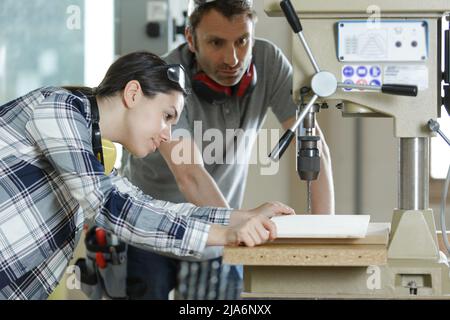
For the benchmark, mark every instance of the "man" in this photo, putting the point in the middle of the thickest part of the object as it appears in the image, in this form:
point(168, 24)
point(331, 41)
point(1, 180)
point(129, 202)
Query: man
point(235, 79)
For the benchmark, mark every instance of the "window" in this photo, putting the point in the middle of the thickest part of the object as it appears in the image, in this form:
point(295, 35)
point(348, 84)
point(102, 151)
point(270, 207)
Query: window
point(54, 43)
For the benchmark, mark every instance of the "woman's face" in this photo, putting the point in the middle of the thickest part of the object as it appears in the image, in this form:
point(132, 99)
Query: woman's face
point(149, 122)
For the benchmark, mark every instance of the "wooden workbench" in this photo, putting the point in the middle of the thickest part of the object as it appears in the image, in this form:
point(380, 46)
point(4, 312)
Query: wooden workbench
point(371, 250)
point(329, 268)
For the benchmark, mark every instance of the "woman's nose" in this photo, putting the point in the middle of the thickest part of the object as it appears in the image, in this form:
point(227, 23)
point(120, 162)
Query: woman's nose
point(166, 133)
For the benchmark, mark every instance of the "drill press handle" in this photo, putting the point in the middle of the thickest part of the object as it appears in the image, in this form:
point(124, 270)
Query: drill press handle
point(400, 90)
point(287, 137)
point(291, 15)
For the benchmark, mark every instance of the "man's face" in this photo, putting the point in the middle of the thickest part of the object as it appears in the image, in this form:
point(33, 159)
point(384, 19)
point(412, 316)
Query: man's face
point(223, 47)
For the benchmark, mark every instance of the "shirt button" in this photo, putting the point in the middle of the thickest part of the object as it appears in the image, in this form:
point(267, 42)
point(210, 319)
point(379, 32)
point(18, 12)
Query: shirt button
point(227, 111)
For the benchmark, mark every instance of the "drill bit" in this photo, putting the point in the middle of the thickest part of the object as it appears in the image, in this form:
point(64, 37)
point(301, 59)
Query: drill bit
point(308, 187)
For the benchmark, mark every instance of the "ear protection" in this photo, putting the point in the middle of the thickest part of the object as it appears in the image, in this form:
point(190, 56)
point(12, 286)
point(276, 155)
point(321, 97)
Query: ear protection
point(212, 91)
point(96, 136)
point(104, 150)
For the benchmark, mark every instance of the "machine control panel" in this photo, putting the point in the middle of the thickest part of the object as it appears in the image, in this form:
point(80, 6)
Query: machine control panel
point(363, 41)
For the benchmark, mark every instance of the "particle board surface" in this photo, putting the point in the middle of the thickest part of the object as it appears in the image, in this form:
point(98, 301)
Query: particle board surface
point(307, 255)
point(371, 250)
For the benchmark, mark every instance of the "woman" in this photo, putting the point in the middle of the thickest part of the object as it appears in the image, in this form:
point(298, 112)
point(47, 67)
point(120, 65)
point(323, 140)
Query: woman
point(51, 181)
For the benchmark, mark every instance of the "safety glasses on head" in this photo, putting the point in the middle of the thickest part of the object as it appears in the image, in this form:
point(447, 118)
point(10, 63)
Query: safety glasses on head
point(177, 74)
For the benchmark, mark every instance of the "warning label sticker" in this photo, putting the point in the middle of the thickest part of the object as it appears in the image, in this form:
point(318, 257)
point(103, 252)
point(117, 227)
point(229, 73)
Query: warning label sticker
point(407, 74)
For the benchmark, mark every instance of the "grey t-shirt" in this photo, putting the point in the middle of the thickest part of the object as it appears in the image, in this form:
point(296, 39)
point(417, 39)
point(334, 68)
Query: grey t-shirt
point(273, 89)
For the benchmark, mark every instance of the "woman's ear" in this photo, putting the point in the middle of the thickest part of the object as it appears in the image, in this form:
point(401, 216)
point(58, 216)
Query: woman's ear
point(132, 93)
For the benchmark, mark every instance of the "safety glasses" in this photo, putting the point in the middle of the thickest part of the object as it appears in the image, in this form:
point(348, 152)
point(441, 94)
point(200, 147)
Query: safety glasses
point(177, 74)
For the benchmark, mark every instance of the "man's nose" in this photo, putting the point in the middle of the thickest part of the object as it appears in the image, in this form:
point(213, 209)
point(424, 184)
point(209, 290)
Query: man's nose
point(230, 57)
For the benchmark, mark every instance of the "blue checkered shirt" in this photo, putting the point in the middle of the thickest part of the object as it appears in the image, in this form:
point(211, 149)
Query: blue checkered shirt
point(51, 183)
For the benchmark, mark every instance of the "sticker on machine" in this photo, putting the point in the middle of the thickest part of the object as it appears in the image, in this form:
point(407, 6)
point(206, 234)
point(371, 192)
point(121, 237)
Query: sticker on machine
point(407, 74)
point(361, 74)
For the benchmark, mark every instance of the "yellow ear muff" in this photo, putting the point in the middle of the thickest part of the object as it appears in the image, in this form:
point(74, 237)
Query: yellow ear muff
point(109, 155)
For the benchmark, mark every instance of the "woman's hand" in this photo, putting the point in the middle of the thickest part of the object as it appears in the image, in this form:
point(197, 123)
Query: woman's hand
point(250, 228)
point(268, 209)
point(271, 209)
point(254, 231)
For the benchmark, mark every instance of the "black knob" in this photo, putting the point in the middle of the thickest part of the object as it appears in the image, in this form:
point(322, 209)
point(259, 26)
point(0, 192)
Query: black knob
point(399, 90)
point(282, 145)
point(291, 15)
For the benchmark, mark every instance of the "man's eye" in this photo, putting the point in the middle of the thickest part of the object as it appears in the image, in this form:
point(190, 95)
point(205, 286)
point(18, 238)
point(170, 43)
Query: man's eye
point(216, 43)
point(242, 41)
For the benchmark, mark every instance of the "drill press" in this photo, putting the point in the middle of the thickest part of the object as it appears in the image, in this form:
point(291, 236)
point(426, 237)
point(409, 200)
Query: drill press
point(405, 43)
point(324, 84)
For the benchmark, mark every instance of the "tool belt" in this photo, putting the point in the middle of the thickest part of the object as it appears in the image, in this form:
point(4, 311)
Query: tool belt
point(104, 270)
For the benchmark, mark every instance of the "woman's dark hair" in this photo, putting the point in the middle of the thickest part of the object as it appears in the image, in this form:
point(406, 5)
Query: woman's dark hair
point(139, 66)
point(142, 66)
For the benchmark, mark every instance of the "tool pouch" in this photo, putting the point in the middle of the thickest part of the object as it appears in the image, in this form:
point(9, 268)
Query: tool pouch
point(108, 279)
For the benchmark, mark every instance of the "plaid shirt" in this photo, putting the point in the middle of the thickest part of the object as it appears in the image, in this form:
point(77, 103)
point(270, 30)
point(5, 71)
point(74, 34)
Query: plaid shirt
point(50, 182)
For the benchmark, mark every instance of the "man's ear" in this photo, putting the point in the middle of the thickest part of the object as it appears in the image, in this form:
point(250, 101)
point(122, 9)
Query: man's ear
point(189, 34)
point(132, 93)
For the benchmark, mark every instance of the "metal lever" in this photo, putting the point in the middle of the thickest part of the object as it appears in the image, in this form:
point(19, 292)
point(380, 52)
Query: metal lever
point(396, 89)
point(400, 90)
point(287, 137)
point(282, 145)
point(291, 15)
point(294, 21)
point(435, 127)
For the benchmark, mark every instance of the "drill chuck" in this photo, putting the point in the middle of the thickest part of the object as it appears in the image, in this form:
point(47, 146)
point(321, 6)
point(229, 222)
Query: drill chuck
point(308, 158)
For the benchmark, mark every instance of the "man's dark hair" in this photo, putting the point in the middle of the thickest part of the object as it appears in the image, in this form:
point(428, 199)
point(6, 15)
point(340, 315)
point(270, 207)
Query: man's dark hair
point(228, 8)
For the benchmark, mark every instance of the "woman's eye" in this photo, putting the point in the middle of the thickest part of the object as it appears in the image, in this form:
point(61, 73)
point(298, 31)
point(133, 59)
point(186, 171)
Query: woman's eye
point(168, 116)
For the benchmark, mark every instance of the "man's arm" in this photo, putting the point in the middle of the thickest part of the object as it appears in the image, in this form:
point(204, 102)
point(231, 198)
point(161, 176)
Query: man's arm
point(199, 187)
point(196, 184)
point(322, 189)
